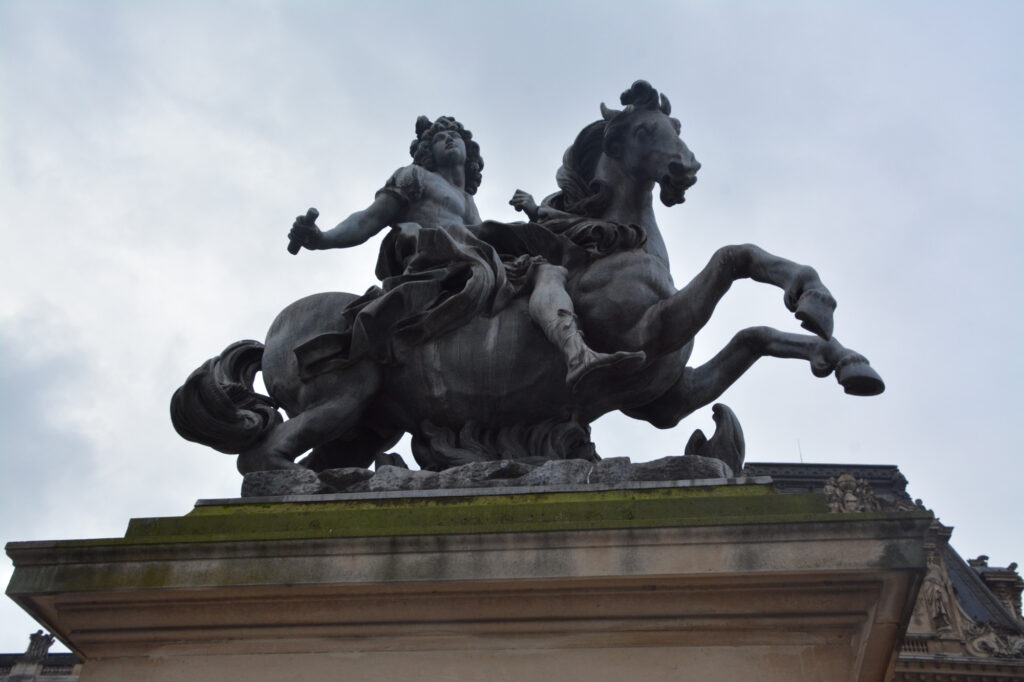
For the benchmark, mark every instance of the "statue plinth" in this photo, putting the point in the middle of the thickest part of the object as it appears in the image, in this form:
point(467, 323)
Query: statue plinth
point(728, 580)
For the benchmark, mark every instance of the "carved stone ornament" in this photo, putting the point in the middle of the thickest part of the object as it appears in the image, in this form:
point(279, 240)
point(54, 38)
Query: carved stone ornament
point(847, 494)
point(984, 641)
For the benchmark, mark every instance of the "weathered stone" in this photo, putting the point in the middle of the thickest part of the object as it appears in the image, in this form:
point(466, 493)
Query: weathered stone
point(558, 472)
point(681, 469)
point(483, 474)
point(508, 473)
point(281, 482)
point(613, 470)
point(396, 478)
point(346, 479)
point(664, 574)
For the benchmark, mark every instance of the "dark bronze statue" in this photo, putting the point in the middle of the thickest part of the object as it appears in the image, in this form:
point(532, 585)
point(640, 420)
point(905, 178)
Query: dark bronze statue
point(489, 340)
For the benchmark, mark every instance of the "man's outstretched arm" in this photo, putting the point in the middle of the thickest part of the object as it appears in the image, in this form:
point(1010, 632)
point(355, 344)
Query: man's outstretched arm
point(353, 230)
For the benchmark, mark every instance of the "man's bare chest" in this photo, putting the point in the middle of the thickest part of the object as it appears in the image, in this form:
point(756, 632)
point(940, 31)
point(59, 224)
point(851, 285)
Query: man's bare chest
point(443, 202)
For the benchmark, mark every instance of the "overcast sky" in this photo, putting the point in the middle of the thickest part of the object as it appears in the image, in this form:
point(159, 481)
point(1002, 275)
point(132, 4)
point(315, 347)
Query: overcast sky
point(153, 155)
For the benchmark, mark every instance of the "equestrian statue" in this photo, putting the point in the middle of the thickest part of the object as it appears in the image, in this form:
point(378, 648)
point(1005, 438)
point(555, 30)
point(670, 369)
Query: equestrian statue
point(488, 340)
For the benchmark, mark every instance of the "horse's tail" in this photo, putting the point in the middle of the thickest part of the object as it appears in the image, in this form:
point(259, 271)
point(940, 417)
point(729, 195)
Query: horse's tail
point(217, 406)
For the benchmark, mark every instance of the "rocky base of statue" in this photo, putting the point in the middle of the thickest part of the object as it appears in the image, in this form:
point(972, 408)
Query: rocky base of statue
point(495, 474)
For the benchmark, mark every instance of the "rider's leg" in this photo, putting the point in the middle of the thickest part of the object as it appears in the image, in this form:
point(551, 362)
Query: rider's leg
point(672, 322)
point(702, 385)
point(553, 311)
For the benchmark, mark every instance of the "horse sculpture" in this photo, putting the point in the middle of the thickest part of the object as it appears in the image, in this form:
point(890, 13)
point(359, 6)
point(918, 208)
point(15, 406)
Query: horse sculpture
point(494, 388)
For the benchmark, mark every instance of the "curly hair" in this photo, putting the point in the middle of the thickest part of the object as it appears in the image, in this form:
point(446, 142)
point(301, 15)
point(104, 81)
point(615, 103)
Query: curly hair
point(423, 155)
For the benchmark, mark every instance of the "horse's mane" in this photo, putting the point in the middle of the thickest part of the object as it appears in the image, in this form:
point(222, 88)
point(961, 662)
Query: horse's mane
point(585, 200)
point(578, 193)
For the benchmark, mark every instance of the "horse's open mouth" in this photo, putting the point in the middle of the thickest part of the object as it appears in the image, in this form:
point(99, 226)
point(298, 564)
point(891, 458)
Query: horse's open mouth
point(673, 188)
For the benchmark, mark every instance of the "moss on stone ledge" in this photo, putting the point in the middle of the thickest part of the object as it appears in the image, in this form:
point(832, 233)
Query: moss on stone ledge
point(648, 508)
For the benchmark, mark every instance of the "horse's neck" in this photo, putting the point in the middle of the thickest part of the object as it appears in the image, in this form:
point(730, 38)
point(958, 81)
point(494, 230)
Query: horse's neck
point(631, 203)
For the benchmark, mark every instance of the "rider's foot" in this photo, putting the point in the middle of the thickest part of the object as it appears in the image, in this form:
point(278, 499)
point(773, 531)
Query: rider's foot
point(589, 362)
point(814, 310)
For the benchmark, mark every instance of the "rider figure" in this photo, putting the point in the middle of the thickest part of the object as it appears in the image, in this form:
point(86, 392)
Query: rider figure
point(436, 191)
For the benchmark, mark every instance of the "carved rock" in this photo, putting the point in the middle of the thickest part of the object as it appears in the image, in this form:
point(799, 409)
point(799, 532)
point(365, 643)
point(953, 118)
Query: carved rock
point(558, 472)
point(681, 469)
point(281, 482)
point(346, 479)
point(613, 470)
point(500, 473)
point(396, 478)
point(483, 474)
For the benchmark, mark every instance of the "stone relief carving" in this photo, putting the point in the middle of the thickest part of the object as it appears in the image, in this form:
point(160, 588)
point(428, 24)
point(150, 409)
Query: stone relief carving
point(936, 596)
point(984, 641)
point(847, 494)
point(938, 614)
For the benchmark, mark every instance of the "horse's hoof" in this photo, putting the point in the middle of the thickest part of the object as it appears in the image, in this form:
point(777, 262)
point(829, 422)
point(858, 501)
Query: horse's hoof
point(857, 377)
point(814, 310)
point(601, 364)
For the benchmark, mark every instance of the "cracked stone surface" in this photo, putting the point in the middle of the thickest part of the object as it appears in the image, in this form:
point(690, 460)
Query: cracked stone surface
point(500, 473)
point(281, 482)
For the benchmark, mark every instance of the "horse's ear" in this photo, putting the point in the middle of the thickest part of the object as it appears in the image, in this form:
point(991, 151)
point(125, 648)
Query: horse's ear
point(422, 124)
point(666, 106)
point(608, 114)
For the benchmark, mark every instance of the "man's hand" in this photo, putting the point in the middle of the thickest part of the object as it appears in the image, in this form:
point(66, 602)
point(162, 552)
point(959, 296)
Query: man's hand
point(523, 201)
point(304, 232)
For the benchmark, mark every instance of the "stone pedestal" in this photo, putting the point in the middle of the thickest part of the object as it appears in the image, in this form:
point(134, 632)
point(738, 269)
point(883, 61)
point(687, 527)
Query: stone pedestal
point(722, 581)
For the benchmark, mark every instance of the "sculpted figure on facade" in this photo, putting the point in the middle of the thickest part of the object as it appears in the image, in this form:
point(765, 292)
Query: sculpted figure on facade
point(39, 644)
point(935, 595)
point(489, 340)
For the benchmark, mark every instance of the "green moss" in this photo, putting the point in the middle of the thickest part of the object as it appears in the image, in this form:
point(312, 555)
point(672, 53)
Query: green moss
point(757, 507)
point(661, 507)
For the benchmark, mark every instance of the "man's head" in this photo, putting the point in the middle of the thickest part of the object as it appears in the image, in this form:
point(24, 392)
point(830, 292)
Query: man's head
point(443, 138)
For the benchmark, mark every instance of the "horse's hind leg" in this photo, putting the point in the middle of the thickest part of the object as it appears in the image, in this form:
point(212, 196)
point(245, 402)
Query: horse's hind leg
point(321, 423)
point(702, 385)
point(357, 448)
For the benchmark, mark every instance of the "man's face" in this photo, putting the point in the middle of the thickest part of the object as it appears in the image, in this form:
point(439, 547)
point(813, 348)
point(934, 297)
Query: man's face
point(448, 148)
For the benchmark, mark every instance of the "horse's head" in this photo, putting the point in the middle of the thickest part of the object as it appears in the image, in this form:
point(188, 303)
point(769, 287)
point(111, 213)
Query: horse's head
point(644, 140)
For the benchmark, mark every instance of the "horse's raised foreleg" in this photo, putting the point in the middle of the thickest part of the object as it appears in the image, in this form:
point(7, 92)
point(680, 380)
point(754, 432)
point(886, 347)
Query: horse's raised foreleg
point(672, 322)
point(702, 385)
point(350, 392)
